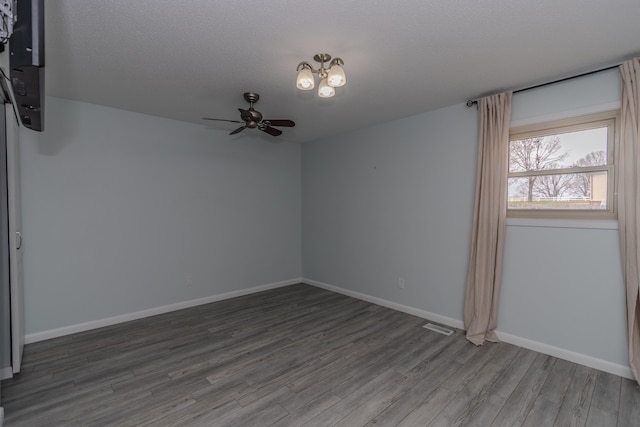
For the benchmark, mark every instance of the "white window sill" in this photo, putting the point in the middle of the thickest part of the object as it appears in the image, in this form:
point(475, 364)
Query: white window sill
point(602, 224)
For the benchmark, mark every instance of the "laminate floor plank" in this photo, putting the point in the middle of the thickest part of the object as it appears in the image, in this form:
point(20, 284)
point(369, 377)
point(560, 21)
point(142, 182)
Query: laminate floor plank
point(345, 406)
point(154, 415)
point(311, 409)
point(543, 413)
point(606, 395)
point(302, 360)
point(599, 418)
point(468, 403)
point(575, 406)
point(222, 393)
point(310, 368)
point(47, 412)
point(547, 405)
point(629, 413)
point(208, 406)
point(418, 398)
point(200, 414)
point(511, 377)
point(521, 400)
point(420, 355)
point(365, 374)
point(470, 369)
point(99, 408)
point(376, 402)
point(319, 383)
point(226, 361)
point(359, 357)
point(425, 412)
point(300, 355)
point(555, 388)
point(265, 411)
point(413, 381)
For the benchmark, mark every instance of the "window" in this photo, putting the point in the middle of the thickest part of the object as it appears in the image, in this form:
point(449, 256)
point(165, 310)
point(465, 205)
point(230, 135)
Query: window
point(563, 169)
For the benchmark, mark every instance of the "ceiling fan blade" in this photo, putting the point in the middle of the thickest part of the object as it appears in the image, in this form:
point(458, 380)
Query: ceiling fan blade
point(240, 129)
point(245, 114)
point(222, 120)
point(285, 123)
point(271, 131)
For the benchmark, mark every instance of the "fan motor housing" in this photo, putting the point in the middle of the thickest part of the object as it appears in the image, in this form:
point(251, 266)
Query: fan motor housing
point(256, 116)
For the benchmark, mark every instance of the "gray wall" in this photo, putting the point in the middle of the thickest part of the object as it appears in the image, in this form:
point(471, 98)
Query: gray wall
point(577, 301)
point(124, 212)
point(396, 200)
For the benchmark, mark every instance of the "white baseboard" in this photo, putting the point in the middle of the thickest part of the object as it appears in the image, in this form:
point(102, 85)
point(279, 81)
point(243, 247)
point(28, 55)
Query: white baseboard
point(95, 324)
point(592, 362)
point(571, 356)
point(561, 353)
point(443, 320)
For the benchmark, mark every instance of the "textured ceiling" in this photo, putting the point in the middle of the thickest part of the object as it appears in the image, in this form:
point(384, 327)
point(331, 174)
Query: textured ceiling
point(193, 59)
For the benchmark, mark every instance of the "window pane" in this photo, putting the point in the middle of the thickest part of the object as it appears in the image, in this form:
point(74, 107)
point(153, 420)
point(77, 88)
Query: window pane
point(586, 191)
point(563, 150)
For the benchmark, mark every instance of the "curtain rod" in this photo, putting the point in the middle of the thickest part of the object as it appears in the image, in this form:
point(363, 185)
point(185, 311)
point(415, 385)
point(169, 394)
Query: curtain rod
point(471, 102)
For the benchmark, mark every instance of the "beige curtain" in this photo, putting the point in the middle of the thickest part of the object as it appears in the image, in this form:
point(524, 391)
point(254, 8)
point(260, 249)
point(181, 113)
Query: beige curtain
point(487, 240)
point(628, 185)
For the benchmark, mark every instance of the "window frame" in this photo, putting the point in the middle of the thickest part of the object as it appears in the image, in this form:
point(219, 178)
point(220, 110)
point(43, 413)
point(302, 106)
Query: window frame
point(609, 119)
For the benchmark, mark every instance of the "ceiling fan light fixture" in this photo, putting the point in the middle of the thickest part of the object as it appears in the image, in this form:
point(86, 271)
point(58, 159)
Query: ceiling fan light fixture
point(305, 80)
point(324, 90)
point(336, 76)
point(330, 78)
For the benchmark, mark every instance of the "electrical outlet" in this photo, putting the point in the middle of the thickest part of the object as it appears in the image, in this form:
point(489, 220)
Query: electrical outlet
point(400, 283)
point(188, 280)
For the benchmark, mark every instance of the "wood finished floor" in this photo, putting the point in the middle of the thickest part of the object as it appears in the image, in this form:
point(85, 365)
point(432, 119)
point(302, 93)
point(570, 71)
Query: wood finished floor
point(302, 356)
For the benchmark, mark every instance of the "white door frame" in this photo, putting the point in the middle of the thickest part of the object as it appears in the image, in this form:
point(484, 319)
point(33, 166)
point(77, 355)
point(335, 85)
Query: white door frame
point(15, 238)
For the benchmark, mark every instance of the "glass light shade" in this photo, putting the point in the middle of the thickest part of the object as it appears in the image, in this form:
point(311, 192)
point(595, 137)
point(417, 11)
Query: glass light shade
point(324, 90)
point(305, 79)
point(336, 77)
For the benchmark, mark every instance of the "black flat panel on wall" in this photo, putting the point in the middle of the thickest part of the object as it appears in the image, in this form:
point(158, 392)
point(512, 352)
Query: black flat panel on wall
point(26, 62)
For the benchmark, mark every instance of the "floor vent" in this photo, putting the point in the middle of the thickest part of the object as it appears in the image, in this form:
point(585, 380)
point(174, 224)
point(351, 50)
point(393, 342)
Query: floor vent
point(438, 329)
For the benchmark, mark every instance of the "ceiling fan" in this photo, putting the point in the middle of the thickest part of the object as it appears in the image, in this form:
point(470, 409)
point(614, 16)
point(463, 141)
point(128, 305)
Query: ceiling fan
point(253, 119)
